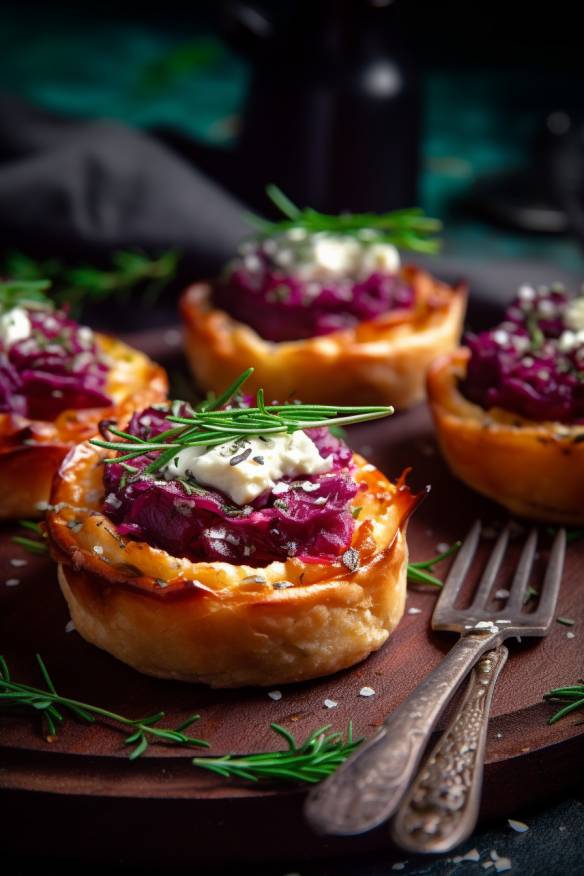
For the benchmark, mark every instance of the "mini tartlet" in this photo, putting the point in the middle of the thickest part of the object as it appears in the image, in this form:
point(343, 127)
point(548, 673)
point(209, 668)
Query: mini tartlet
point(282, 606)
point(57, 381)
point(324, 315)
point(509, 408)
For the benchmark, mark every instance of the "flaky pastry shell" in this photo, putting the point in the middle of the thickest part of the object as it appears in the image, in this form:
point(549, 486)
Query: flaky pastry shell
point(31, 450)
point(222, 624)
point(534, 469)
point(382, 361)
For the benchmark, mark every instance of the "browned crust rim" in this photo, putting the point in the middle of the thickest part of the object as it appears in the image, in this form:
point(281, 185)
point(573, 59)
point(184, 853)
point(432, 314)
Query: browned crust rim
point(31, 450)
point(383, 360)
point(67, 551)
point(535, 469)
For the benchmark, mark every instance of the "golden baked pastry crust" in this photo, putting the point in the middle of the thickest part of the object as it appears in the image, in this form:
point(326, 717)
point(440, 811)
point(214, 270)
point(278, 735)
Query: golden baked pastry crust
point(31, 450)
point(221, 624)
point(534, 469)
point(382, 361)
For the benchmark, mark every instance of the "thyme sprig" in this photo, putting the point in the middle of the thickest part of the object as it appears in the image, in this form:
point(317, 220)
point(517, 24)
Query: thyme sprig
point(407, 229)
point(311, 761)
point(52, 706)
point(216, 421)
point(417, 571)
point(573, 695)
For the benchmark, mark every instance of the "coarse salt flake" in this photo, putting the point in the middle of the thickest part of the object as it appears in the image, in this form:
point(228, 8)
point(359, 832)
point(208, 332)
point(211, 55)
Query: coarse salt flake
point(330, 704)
point(517, 826)
point(473, 855)
point(275, 695)
point(17, 562)
point(413, 610)
point(366, 692)
point(70, 627)
point(12, 582)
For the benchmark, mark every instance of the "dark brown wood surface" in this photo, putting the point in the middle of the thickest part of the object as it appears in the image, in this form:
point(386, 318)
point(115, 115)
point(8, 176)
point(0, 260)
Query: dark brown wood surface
point(86, 769)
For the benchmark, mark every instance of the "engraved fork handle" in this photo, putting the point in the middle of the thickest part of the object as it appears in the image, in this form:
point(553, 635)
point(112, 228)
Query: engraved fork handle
point(441, 808)
point(367, 788)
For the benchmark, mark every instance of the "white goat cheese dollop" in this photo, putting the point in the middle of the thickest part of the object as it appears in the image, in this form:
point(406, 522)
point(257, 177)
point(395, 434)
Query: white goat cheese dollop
point(245, 469)
point(15, 326)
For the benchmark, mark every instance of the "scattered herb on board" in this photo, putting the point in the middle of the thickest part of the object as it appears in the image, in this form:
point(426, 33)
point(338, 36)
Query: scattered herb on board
point(311, 761)
point(571, 534)
point(407, 229)
point(32, 279)
point(51, 706)
point(418, 574)
point(573, 696)
point(212, 424)
point(36, 545)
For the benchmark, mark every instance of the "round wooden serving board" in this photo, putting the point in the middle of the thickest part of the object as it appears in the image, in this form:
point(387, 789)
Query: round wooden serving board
point(161, 804)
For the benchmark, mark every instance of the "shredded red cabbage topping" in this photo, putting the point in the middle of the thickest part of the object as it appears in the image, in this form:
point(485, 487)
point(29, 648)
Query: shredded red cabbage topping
point(308, 518)
point(532, 363)
point(287, 304)
point(58, 367)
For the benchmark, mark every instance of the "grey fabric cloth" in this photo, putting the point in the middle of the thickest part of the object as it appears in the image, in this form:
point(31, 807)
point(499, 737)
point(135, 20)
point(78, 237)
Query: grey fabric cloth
point(90, 187)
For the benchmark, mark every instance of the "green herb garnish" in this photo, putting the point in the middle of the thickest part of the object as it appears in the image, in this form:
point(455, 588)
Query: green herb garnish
point(75, 286)
point(214, 424)
point(407, 229)
point(33, 545)
point(573, 695)
point(315, 759)
point(417, 571)
point(536, 336)
point(16, 293)
point(50, 705)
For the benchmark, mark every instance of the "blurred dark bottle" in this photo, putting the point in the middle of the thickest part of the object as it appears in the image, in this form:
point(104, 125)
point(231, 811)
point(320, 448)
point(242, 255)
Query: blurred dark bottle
point(333, 110)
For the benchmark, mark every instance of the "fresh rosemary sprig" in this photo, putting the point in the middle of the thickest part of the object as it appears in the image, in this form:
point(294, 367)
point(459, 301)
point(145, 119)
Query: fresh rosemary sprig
point(407, 229)
point(417, 571)
point(315, 759)
point(573, 695)
point(75, 286)
point(51, 705)
point(14, 293)
point(212, 424)
point(34, 546)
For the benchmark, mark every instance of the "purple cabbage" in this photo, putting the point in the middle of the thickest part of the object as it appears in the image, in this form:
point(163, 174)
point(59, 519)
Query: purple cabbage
point(284, 307)
point(522, 365)
point(57, 368)
point(203, 524)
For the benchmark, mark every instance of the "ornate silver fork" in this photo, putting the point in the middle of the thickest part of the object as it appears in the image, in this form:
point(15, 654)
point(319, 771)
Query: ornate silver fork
point(366, 790)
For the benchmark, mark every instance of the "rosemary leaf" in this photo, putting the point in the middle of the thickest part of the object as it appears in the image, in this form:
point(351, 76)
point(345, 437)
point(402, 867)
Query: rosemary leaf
point(418, 574)
point(218, 422)
point(573, 695)
point(408, 229)
point(49, 703)
point(309, 762)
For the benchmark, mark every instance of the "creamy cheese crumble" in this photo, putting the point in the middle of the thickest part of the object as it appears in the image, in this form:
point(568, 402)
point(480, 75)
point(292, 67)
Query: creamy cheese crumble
point(15, 326)
point(325, 256)
point(246, 468)
point(574, 316)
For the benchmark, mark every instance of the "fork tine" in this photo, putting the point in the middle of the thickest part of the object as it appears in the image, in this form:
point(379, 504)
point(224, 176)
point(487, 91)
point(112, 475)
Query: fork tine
point(460, 567)
point(491, 570)
point(552, 580)
point(521, 577)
